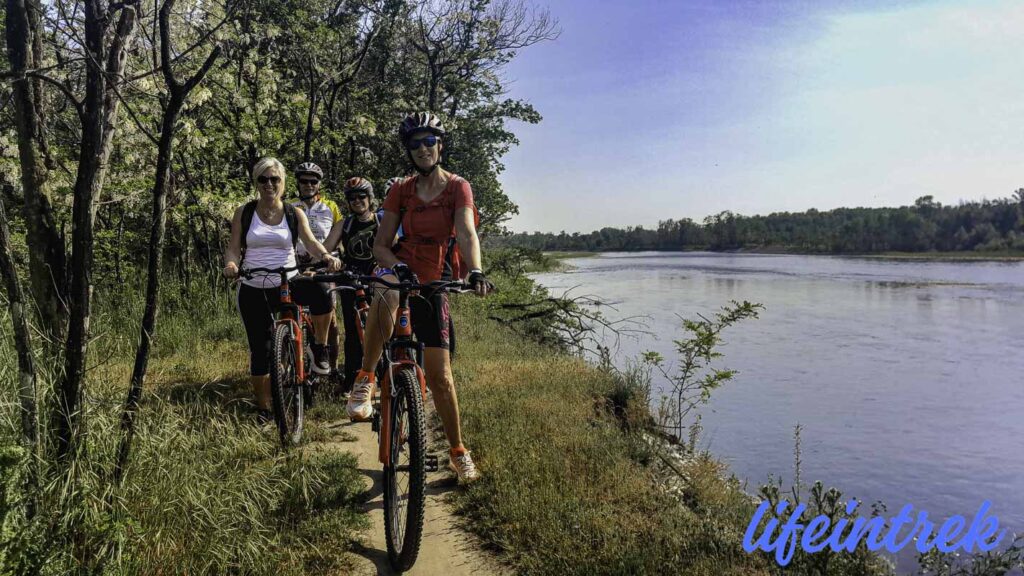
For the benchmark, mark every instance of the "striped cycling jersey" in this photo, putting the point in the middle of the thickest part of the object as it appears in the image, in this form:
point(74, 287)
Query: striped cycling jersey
point(322, 217)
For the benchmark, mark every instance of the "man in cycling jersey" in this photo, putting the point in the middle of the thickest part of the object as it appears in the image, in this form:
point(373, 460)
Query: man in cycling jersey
point(324, 218)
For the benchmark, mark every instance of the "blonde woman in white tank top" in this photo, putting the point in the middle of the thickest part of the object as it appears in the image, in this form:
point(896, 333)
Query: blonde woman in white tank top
point(269, 244)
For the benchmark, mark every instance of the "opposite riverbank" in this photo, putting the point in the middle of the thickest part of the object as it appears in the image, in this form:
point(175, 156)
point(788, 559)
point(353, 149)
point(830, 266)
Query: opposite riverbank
point(963, 256)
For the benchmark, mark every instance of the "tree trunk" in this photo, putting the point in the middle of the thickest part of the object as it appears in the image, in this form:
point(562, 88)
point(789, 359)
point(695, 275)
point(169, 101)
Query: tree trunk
point(26, 368)
point(119, 246)
point(98, 122)
point(161, 187)
point(433, 83)
point(156, 244)
point(310, 116)
point(48, 259)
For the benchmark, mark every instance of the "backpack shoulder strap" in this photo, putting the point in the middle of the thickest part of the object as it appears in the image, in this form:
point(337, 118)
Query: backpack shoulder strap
point(346, 226)
point(293, 222)
point(247, 211)
point(450, 202)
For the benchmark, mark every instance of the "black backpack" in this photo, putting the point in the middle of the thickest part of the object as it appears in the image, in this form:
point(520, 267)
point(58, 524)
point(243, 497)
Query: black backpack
point(289, 214)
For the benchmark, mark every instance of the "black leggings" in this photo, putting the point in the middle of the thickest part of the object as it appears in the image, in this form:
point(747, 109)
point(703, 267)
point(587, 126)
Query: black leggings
point(258, 306)
point(353, 347)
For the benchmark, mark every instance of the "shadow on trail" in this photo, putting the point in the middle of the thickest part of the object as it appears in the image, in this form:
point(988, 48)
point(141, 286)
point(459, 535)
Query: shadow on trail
point(438, 484)
point(374, 495)
point(378, 557)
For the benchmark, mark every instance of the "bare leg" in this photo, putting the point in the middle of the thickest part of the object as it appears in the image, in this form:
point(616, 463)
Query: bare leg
point(261, 390)
point(334, 342)
point(438, 367)
point(321, 324)
point(379, 324)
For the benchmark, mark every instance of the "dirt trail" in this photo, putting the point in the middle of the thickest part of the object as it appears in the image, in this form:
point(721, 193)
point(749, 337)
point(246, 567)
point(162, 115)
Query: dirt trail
point(445, 549)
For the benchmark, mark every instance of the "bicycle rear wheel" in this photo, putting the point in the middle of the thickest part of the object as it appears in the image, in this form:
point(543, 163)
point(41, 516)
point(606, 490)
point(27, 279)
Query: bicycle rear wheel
point(405, 474)
point(285, 390)
point(309, 387)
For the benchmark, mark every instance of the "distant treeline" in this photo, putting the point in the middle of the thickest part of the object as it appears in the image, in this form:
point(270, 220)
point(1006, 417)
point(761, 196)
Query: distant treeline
point(990, 225)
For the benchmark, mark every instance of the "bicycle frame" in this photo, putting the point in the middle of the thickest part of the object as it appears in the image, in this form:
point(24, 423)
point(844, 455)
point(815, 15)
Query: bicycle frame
point(293, 314)
point(362, 307)
point(399, 358)
point(402, 351)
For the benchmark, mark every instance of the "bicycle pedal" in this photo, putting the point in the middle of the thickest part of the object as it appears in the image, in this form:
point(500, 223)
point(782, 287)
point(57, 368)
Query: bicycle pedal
point(375, 421)
point(430, 462)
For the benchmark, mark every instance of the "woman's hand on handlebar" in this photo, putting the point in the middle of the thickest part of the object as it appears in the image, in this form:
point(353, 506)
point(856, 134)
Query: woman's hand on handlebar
point(481, 285)
point(333, 264)
point(404, 273)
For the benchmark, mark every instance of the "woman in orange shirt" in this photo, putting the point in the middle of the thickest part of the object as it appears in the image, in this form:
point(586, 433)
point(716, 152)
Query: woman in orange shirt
point(432, 207)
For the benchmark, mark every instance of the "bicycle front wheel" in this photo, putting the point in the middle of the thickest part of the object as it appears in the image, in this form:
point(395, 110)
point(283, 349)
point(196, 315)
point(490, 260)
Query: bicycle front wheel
point(405, 473)
point(285, 390)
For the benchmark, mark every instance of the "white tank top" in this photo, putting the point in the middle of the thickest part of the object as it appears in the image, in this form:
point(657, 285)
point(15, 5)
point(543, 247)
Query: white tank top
point(267, 247)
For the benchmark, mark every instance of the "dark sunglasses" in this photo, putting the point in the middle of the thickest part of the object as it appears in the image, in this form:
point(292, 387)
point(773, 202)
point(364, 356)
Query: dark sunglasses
point(428, 141)
point(272, 179)
point(354, 197)
point(309, 181)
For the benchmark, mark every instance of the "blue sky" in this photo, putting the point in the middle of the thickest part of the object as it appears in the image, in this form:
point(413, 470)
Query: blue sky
point(658, 109)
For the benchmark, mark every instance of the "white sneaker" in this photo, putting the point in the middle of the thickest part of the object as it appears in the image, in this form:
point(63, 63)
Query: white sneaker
point(360, 401)
point(463, 467)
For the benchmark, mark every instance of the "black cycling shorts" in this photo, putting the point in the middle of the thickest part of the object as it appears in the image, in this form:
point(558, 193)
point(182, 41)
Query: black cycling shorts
point(430, 320)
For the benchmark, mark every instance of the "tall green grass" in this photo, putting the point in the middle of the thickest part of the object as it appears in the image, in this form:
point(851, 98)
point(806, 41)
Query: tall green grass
point(206, 491)
point(575, 479)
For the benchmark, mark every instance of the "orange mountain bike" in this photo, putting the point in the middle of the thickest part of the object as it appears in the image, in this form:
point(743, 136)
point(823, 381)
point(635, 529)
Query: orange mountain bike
point(291, 381)
point(400, 421)
point(349, 281)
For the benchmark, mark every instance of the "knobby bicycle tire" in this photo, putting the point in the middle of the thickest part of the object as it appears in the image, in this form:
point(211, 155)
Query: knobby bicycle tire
point(403, 525)
point(307, 361)
point(285, 393)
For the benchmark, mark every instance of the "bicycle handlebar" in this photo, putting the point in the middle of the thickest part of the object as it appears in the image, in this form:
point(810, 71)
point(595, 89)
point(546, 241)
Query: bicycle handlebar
point(249, 272)
point(449, 285)
point(351, 281)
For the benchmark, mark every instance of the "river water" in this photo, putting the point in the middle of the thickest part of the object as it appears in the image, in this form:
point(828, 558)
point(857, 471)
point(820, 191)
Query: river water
point(906, 376)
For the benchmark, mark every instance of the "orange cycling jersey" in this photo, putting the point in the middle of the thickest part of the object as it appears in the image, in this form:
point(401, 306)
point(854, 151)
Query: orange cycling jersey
point(428, 227)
